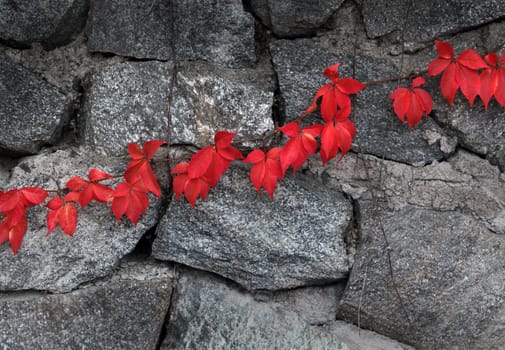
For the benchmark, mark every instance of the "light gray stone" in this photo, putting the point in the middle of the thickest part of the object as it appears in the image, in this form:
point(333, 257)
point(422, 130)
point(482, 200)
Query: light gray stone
point(32, 111)
point(299, 65)
point(50, 22)
point(213, 314)
point(445, 225)
point(59, 262)
point(128, 102)
point(294, 17)
point(423, 21)
point(294, 240)
point(215, 31)
point(125, 311)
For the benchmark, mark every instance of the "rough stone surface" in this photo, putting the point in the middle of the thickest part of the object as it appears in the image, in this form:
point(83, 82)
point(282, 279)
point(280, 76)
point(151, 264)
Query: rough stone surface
point(50, 22)
point(481, 131)
point(294, 17)
point(127, 102)
point(445, 224)
point(216, 31)
point(422, 21)
point(294, 240)
point(32, 111)
point(299, 65)
point(59, 262)
point(125, 311)
point(213, 314)
point(208, 99)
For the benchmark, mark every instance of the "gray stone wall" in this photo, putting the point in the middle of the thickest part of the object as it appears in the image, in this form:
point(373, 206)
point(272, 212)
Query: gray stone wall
point(398, 246)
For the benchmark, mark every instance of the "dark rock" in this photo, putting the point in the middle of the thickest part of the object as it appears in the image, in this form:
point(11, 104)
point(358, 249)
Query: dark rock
point(299, 65)
point(423, 21)
point(127, 102)
point(294, 240)
point(32, 111)
point(294, 17)
point(212, 314)
point(216, 31)
point(445, 224)
point(50, 22)
point(59, 262)
point(125, 311)
point(478, 130)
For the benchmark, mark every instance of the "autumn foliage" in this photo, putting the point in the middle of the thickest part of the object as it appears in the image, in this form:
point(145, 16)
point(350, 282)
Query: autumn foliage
point(467, 72)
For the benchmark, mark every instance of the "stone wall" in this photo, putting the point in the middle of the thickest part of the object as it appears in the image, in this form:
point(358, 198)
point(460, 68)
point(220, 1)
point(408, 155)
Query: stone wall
point(404, 237)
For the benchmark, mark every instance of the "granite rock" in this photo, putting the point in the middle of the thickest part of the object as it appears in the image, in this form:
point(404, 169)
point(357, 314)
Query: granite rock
point(50, 22)
point(214, 314)
point(423, 21)
point(294, 18)
point(216, 31)
point(32, 111)
point(124, 311)
point(127, 102)
point(445, 224)
point(256, 241)
point(299, 65)
point(59, 262)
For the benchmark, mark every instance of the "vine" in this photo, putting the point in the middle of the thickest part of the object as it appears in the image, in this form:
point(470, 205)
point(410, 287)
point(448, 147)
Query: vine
point(469, 72)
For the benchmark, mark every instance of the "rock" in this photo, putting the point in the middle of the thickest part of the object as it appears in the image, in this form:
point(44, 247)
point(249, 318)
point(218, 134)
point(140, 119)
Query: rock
point(124, 311)
point(212, 314)
point(52, 23)
point(481, 131)
point(32, 111)
point(208, 99)
point(299, 65)
point(294, 17)
point(445, 224)
point(127, 102)
point(427, 20)
point(217, 31)
point(59, 262)
point(257, 242)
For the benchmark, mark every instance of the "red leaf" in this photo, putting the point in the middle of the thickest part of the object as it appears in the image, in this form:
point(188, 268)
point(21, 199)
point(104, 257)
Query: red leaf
point(224, 148)
point(96, 175)
point(448, 83)
point(151, 147)
point(139, 168)
point(76, 183)
point(437, 66)
point(91, 190)
point(444, 49)
point(191, 188)
point(296, 150)
point(291, 129)
point(469, 82)
point(350, 86)
point(130, 200)
point(471, 59)
point(200, 162)
point(14, 233)
point(336, 137)
point(266, 170)
point(412, 103)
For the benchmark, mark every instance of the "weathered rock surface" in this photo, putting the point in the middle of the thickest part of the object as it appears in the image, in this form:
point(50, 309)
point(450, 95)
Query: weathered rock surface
point(32, 111)
point(50, 22)
point(481, 131)
point(299, 65)
point(422, 21)
point(59, 262)
point(127, 102)
point(208, 99)
point(294, 17)
point(294, 240)
point(445, 224)
point(216, 31)
point(125, 311)
point(213, 314)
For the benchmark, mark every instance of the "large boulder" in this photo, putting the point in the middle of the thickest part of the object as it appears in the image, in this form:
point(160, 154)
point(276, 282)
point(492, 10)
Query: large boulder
point(50, 22)
point(123, 311)
point(294, 240)
point(129, 101)
point(216, 31)
point(444, 225)
point(59, 262)
point(32, 111)
point(212, 314)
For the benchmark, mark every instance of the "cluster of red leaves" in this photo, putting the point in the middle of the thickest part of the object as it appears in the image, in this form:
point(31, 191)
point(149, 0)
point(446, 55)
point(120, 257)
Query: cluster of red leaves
point(411, 103)
point(462, 73)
